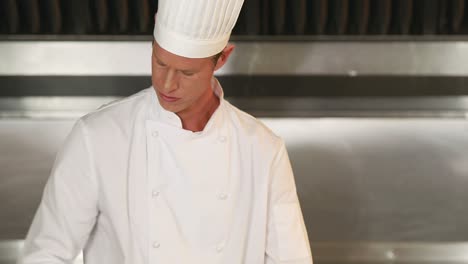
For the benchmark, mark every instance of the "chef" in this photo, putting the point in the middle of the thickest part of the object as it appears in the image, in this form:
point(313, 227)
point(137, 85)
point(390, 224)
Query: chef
point(174, 173)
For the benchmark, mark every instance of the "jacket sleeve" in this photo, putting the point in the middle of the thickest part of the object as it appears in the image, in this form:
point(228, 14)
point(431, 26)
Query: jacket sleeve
point(68, 209)
point(287, 241)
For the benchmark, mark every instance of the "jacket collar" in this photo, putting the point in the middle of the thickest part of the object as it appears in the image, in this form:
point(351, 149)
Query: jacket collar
point(171, 120)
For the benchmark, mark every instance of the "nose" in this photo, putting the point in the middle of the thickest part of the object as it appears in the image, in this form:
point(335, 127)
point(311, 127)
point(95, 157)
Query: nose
point(170, 82)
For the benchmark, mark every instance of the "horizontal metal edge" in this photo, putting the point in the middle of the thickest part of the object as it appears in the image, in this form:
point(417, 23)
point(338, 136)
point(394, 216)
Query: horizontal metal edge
point(391, 252)
point(58, 107)
point(66, 107)
point(133, 58)
point(395, 252)
point(10, 249)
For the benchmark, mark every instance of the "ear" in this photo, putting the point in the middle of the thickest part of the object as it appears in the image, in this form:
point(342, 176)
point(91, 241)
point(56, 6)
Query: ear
point(227, 51)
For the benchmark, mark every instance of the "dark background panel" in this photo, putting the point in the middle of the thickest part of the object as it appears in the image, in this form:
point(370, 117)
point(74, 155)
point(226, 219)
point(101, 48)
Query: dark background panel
point(242, 86)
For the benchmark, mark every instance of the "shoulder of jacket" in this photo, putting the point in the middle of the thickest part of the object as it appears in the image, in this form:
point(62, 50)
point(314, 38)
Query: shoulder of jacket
point(253, 127)
point(124, 101)
point(120, 109)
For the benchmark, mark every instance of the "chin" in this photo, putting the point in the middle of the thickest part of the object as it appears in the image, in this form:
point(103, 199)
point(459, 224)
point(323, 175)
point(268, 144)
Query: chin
point(169, 107)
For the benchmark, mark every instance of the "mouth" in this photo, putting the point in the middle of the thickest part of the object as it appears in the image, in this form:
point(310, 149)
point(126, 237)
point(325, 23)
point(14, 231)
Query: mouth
point(168, 99)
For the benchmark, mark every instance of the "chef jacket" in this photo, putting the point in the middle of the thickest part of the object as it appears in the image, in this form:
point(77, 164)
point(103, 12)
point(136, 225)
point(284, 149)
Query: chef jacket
point(132, 186)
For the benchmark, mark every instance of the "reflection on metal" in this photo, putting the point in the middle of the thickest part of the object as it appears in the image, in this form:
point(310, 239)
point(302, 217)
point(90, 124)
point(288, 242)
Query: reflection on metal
point(422, 107)
point(391, 252)
point(50, 107)
point(335, 252)
point(407, 107)
point(10, 251)
point(75, 58)
point(373, 179)
point(132, 58)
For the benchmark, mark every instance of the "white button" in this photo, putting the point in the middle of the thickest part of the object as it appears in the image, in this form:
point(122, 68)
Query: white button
point(155, 193)
point(155, 134)
point(222, 196)
point(220, 247)
point(156, 245)
point(222, 139)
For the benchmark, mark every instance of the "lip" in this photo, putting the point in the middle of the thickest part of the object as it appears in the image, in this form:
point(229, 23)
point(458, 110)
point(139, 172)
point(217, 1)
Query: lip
point(168, 98)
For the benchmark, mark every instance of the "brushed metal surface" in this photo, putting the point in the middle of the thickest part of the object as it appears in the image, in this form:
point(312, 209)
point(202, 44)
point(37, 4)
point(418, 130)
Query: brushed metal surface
point(132, 58)
point(334, 253)
point(65, 107)
point(10, 251)
point(380, 179)
point(27, 152)
point(51, 107)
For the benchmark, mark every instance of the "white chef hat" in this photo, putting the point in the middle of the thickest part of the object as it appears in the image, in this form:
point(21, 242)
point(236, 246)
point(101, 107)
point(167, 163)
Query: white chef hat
point(195, 28)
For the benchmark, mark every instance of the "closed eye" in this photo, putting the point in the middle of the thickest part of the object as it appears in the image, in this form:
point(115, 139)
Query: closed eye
point(160, 63)
point(188, 73)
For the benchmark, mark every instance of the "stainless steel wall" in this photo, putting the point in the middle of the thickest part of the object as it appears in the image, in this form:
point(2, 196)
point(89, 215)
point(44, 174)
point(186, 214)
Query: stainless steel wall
point(380, 179)
point(367, 180)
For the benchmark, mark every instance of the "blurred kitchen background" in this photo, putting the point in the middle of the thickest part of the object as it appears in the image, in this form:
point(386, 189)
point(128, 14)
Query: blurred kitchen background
point(371, 97)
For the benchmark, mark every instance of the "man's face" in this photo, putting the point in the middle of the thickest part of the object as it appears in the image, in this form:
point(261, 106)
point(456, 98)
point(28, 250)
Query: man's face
point(181, 83)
